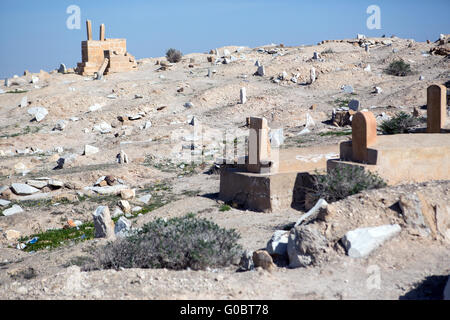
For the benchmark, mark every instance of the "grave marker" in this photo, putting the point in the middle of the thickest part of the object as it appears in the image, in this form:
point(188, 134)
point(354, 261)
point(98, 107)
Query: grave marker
point(364, 135)
point(436, 108)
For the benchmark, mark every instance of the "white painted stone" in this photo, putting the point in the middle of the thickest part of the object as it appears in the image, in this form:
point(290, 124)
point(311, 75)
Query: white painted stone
point(276, 137)
point(359, 243)
point(24, 102)
point(4, 203)
point(39, 113)
point(23, 189)
point(277, 245)
point(107, 190)
point(13, 210)
point(39, 184)
point(89, 150)
point(321, 204)
point(145, 199)
point(312, 75)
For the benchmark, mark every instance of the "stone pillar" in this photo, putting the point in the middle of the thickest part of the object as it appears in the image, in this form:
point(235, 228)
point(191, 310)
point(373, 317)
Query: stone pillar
point(243, 95)
point(258, 144)
point(89, 29)
point(436, 108)
point(364, 135)
point(102, 32)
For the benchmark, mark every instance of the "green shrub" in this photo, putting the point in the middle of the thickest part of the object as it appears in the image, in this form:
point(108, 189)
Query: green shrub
point(173, 55)
point(224, 208)
point(342, 182)
point(402, 122)
point(327, 51)
point(176, 244)
point(399, 68)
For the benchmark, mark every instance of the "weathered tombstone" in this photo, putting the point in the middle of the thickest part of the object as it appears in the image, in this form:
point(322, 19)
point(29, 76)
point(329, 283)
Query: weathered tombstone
point(354, 105)
point(313, 74)
point(364, 135)
point(243, 95)
point(102, 32)
point(104, 226)
point(24, 102)
point(261, 71)
point(258, 64)
point(258, 144)
point(89, 29)
point(436, 108)
point(209, 73)
point(367, 48)
point(316, 56)
point(62, 69)
point(7, 84)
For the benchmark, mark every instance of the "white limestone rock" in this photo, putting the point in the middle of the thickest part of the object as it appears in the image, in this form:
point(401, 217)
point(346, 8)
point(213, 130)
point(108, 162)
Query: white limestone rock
point(361, 242)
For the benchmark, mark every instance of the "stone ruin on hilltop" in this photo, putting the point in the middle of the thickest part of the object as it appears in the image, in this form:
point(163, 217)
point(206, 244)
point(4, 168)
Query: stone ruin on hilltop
point(104, 56)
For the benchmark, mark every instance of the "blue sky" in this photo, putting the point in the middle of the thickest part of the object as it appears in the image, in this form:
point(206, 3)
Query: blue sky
point(34, 36)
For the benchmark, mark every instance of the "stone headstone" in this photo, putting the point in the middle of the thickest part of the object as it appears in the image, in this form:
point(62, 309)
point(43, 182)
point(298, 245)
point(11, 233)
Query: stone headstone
point(276, 137)
point(354, 105)
point(348, 89)
point(436, 108)
point(103, 224)
point(243, 95)
point(364, 135)
point(258, 64)
point(7, 83)
point(312, 74)
point(24, 102)
point(315, 56)
point(261, 71)
point(367, 48)
point(122, 226)
point(62, 69)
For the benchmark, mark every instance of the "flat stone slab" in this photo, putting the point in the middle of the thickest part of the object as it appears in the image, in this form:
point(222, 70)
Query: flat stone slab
point(359, 243)
point(13, 210)
point(107, 190)
point(39, 184)
point(36, 196)
point(23, 189)
point(4, 203)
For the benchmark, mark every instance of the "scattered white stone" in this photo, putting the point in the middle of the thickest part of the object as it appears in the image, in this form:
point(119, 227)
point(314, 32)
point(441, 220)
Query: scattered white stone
point(13, 210)
point(145, 199)
point(421, 78)
point(39, 184)
point(122, 227)
point(23, 189)
point(4, 203)
point(112, 96)
point(60, 125)
point(368, 68)
point(24, 102)
point(103, 127)
point(361, 242)
point(107, 190)
point(136, 209)
point(39, 113)
point(90, 150)
point(378, 90)
point(74, 119)
point(188, 105)
point(55, 183)
point(277, 245)
point(34, 79)
point(360, 36)
point(95, 107)
point(347, 89)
